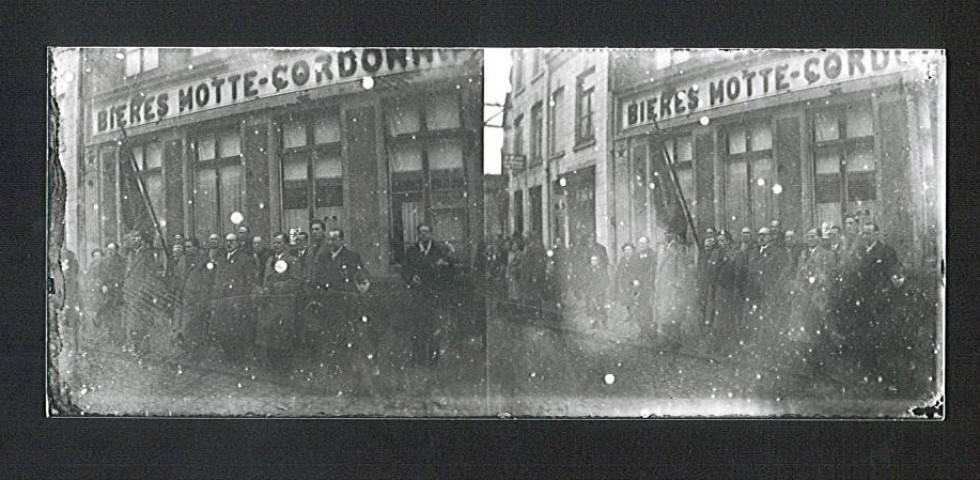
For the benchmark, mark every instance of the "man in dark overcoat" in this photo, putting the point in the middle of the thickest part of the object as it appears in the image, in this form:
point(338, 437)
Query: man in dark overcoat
point(112, 273)
point(144, 294)
point(234, 277)
point(275, 305)
point(765, 277)
point(192, 315)
point(428, 271)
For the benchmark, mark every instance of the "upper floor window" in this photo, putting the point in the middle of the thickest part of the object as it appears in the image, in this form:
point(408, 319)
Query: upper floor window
point(554, 112)
point(518, 70)
point(585, 108)
point(537, 127)
point(198, 51)
point(138, 60)
point(536, 62)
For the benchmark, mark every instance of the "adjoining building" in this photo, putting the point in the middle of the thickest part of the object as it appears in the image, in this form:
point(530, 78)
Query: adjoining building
point(375, 141)
point(555, 142)
point(804, 137)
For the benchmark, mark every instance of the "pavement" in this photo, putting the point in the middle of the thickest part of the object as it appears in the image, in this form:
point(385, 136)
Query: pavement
point(535, 366)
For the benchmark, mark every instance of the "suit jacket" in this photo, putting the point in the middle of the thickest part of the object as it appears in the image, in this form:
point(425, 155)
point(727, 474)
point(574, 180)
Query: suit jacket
point(286, 282)
point(341, 272)
point(427, 266)
point(818, 265)
point(765, 271)
point(876, 267)
point(234, 276)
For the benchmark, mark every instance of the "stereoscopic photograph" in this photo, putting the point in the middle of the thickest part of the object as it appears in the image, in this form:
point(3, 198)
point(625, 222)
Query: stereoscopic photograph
point(504, 233)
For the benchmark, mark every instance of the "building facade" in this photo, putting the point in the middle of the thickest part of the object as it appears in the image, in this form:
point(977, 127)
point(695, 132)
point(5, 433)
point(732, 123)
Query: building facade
point(375, 141)
point(556, 134)
point(804, 137)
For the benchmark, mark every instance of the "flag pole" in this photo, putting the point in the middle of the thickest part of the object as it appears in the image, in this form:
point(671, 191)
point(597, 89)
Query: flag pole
point(673, 178)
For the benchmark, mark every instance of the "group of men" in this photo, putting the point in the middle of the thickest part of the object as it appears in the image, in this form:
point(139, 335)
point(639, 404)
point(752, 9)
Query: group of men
point(307, 294)
point(765, 295)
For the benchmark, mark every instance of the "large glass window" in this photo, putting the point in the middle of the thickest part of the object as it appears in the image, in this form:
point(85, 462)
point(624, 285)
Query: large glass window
point(149, 163)
point(312, 170)
point(749, 176)
point(680, 152)
point(426, 148)
point(844, 163)
point(218, 181)
point(585, 108)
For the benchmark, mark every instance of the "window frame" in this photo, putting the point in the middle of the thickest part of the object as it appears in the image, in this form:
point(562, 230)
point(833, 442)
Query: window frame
point(845, 148)
point(143, 173)
point(553, 104)
point(749, 157)
point(141, 51)
point(584, 136)
point(310, 149)
point(425, 190)
point(216, 165)
point(536, 153)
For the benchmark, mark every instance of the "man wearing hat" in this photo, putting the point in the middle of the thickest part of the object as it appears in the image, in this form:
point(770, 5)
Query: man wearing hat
point(234, 278)
point(765, 276)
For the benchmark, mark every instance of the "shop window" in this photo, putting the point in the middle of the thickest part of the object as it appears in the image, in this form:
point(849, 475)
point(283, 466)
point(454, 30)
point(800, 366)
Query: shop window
point(554, 112)
point(149, 163)
point(219, 181)
point(585, 108)
point(139, 60)
point(426, 144)
point(750, 176)
point(537, 127)
point(680, 151)
point(312, 170)
point(844, 163)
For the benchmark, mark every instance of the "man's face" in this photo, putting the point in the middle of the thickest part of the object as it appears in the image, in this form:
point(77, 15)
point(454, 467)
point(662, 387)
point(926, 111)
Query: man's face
point(765, 238)
point(257, 243)
point(278, 244)
point(302, 240)
point(812, 239)
point(214, 241)
point(317, 230)
point(96, 256)
point(709, 242)
point(189, 247)
point(721, 241)
point(231, 243)
point(850, 225)
point(643, 243)
point(178, 249)
point(425, 234)
point(627, 252)
point(834, 235)
point(333, 240)
point(745, 236)
point(869, 234)
point(110, 249)
point(790, 237)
